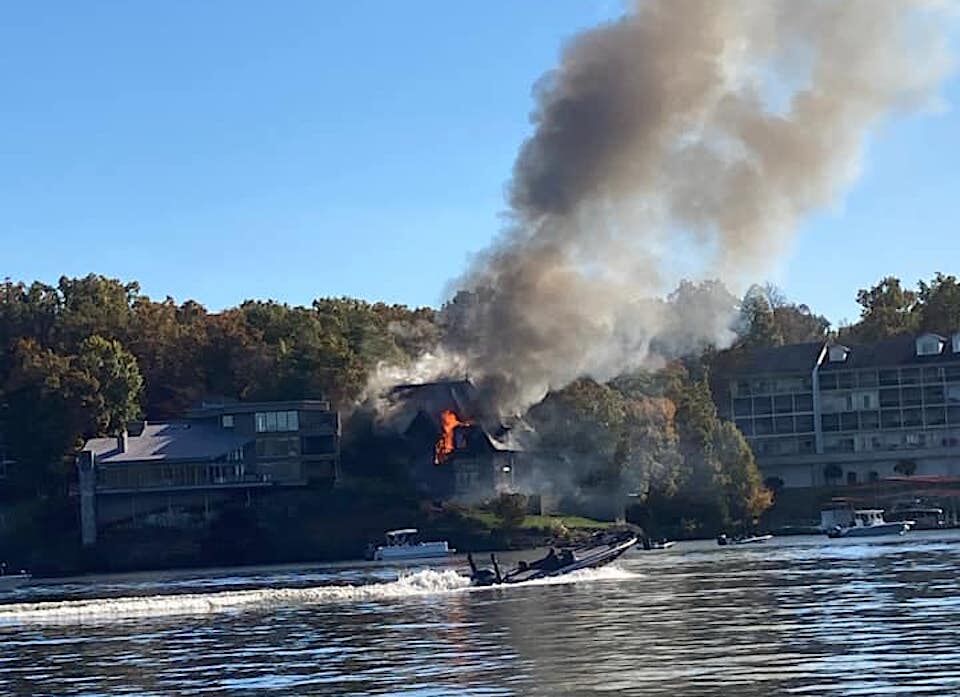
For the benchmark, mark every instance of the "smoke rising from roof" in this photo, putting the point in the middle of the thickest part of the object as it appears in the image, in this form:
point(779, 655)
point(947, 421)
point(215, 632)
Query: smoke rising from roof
point(685, 139)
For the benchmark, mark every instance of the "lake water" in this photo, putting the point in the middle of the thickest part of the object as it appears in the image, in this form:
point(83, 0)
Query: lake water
point(804, 615)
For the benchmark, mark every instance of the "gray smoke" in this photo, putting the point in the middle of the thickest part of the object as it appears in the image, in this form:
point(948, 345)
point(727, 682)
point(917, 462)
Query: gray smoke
point(684, 140)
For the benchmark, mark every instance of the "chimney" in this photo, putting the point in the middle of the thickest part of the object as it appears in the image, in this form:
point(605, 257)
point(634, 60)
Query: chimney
point(122, 439)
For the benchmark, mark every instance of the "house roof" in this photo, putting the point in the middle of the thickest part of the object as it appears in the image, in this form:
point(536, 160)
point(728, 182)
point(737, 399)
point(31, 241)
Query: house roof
point(898, 351)
point(793, 358)
point(168, 442)
point(432, 398)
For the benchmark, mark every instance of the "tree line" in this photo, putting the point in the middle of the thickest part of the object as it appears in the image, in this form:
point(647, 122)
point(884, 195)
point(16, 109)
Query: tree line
point(84, 356)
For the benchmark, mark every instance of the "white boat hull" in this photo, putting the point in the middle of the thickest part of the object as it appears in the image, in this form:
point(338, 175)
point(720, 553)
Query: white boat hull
point(871, 530)
point(423, 550)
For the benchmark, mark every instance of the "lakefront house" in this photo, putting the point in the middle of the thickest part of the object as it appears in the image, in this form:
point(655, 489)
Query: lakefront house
point(176, 474)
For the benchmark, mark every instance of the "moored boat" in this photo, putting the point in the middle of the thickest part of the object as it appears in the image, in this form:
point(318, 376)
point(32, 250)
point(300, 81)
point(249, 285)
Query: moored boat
point(405, 544)
point(11, 581)
point(869, 522)
point(723, 540)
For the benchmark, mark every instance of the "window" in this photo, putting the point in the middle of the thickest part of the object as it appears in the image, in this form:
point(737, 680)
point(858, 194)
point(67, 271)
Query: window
point(783, 404)
point(890, 418)
point(805, 423)
point(838, 353)
point(849, 422)
point(762, 405)
point(929, 345)
point(828, 381)
point(952, 373)
point(763, 427)
point(910, 396)
point(277, 421)
point(741, 406)
point(845, 380)
point(745, 426)
point(909, 376)
point(953, 394)
point(851, 477)
point(890, 398)
point(226, 421)
point(805, 446)
point(804, 402)
point(278, 447)
point(869, 420)
point(830, 422)
point(933, 394)
point(889, 377)
point(868, 378)
point(866, 401)
point(742, 389)
point(956, 342)
point(913, 417)
point(319, 445)
point(783, 424)
point(874, 476)
point(933, 374)
point(935, 416)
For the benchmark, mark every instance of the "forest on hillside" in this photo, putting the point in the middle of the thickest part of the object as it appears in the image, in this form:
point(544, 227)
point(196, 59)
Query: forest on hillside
point(83, 357)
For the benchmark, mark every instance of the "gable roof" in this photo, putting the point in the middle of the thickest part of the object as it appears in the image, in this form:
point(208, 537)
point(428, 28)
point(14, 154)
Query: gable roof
point(793, 358)
point(898, 351)
point(169, 442)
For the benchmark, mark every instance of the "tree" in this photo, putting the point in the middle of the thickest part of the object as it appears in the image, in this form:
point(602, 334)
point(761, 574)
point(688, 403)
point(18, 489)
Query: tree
point(887, 309)
point(758, 323)
point(938, 304)
point(746, 496)
point(114, 372)
point(511, 509)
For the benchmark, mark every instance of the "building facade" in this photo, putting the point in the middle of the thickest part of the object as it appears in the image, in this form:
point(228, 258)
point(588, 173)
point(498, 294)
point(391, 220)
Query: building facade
point(818, 414)
point(176, 474)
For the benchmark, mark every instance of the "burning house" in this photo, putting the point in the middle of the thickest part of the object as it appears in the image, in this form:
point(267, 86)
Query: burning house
point(452, 450)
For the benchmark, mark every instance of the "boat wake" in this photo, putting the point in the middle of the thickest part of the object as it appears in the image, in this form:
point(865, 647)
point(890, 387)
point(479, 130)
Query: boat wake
point(422, 583)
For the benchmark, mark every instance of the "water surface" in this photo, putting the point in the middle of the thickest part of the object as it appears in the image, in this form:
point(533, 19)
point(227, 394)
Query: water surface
point(801, 616)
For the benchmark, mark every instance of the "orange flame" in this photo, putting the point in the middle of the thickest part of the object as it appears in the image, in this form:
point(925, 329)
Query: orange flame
point(449, 421)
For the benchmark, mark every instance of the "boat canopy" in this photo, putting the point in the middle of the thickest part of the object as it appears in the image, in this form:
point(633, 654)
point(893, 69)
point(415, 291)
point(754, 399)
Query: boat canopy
point(403, 531)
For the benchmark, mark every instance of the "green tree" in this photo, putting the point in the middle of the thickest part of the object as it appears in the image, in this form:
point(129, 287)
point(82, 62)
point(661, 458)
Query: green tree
point(887, 309)
point(938, 304)
point(117, 380)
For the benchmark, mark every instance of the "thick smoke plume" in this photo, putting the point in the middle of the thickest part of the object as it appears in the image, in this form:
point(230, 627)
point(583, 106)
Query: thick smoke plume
point(686, 139)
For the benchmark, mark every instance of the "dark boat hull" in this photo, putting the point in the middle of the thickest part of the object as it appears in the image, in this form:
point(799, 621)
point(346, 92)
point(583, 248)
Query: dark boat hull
point(589, 557)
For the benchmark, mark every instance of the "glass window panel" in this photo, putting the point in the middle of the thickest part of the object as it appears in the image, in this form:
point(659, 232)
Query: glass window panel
point(261, 419)
point(913, 417)
point(933, 394)
point(889, 377)
point(742, 406)
point(849, 422)
point(909, 376)
point(783, 424)
point(869, 419)
point(763, 427)
point(804, 402)
point(910, 396)
point(868, 378)
point(271, 421)
point(953, 394)
point(952, 373)
point(783, 404)
point(743, 388)
point(890, 398)
point(933, 374)
point(282, 421)
point(953, 415)
point(828, 381)
point(890, 418)
point(830, 422)
point(805, 423)
point(846, 380)
point(762, 405)
point(935, 416)
point(293, 420)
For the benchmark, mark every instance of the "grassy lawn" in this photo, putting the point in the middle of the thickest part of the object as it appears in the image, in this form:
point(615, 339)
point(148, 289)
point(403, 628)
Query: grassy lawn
point(544, 521)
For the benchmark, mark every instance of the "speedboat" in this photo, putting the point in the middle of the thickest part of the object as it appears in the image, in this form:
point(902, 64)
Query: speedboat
point(723, 540)
point(869, 522)
point(404, 544)
point(649, 544)
point(600, 550)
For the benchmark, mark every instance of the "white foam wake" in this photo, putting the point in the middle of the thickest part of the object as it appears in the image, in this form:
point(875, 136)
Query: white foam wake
point(421, 583)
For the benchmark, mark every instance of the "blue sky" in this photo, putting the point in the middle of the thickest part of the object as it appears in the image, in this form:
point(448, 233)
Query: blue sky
point(227, 150)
